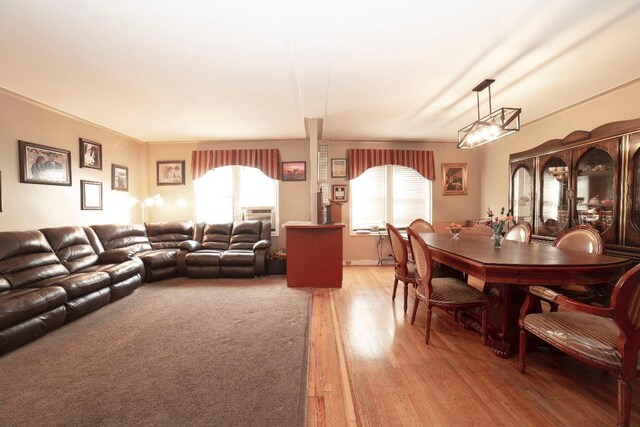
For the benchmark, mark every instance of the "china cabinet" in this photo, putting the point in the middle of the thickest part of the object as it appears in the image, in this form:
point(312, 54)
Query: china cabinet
point(588, 178)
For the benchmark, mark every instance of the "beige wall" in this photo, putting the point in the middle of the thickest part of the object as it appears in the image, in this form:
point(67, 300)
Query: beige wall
point(32, 206)
point(179, 203)
point(445, 208)
point(620, 104)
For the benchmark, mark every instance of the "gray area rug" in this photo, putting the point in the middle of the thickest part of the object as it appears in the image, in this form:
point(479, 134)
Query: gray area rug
point(218, 352)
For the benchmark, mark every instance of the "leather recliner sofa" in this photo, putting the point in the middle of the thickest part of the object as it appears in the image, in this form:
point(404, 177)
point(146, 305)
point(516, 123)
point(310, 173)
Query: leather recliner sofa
point(56, 275)
point(237, 249)
point(53, 276)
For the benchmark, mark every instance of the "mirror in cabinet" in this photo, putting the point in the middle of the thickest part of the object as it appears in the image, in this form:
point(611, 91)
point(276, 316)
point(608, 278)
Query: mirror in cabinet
point(595, 194)
point(522, 192)
point(554, 195)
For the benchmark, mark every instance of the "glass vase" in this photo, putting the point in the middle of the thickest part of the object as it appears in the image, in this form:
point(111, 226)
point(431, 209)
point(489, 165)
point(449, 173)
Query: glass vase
point(497, 237)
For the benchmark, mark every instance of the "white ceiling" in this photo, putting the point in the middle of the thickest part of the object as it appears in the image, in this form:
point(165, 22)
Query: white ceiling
point(391, 69)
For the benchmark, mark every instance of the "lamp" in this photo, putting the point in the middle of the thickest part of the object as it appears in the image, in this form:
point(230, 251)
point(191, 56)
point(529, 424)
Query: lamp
point(156, 200)
point(499, 123)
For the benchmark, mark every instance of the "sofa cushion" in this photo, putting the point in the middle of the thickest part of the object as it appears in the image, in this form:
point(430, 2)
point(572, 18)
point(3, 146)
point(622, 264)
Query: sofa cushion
point(163, 235)
point(159, 258)
point(18, 305)
point(203, 258)
point(121, 271)
point(116, 236)
point(78, 284)
point(216, 236)
point(245, 234)
point(26, 257)
point(72, 247)
point(238, 258)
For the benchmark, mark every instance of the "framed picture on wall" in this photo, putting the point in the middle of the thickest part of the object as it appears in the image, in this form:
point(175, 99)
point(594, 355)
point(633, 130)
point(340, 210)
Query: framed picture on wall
point(40, 164)
point(170, 172)
point(119, 177)
point(340, 193)
point(338, 168)
point(294, 171)
point(90, 195)
point(90, 154)
point(454, 179)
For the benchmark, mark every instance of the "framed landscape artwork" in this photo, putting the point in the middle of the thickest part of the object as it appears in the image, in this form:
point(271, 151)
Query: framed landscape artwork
point(90, 154)
point(90, 195)
point(119, 177)
point(294, 171)
point(40, 164)
point(338, 168)
point(170, 172)
point(454, 179)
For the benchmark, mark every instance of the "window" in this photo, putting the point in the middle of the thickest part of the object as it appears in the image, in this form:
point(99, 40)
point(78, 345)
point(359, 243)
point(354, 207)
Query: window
point(222, 194)
point(394, 194)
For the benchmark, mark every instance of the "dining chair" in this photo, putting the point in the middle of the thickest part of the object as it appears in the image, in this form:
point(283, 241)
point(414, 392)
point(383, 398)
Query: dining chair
point(421, 226)
point(519, 233)
point(581, 238)
point(604, 337)
point(443, 292)
point(404, 269)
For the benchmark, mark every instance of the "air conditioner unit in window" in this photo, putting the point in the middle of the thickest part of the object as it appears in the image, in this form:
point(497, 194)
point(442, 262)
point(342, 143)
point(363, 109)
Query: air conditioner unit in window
point(262, 213)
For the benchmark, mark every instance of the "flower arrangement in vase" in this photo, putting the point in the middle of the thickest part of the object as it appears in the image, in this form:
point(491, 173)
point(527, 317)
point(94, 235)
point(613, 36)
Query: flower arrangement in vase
point(497, 223)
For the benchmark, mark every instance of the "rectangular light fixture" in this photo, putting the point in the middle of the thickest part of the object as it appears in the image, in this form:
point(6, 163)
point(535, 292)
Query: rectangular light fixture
point(499, 123)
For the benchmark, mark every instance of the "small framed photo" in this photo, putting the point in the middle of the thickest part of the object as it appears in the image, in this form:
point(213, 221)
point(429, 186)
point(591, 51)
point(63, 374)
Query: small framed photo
point(40, 164)
point(90, 154)
point(294, 171)
point(340, 193)
point(90, 195)
point(454, 179)
point(338, 168)
point(119, 177)
point(170, 172)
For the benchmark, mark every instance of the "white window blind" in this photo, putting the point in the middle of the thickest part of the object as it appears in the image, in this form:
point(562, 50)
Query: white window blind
point(395, 194)
point(221, 193)
point(368, 199)
point(410, 196)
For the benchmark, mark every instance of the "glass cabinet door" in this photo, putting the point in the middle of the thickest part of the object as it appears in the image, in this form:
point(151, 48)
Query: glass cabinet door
point(595, 189)
point(554, 200)
point(522, 196)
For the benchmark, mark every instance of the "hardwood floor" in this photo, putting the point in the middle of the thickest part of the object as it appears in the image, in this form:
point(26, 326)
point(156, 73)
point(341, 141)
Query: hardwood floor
point(369, 366)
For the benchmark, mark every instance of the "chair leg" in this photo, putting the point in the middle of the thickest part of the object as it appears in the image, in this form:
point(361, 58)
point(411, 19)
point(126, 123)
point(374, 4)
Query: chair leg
point(485, 311)
point(427, 324)
point(624, 402)
point(395, 288)
point(523, 350)
point(415, 310)
point(406, 295)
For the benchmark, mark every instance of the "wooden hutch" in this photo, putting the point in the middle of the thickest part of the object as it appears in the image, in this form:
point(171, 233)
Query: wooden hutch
point(585, 178)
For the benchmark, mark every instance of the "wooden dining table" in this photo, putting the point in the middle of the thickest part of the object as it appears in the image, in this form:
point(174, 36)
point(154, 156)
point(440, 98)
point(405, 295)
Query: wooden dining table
point(506, 271)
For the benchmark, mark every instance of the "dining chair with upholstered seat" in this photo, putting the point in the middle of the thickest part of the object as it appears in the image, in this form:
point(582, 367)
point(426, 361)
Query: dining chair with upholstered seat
point(581, 238)
point(519, 233)
point(445, 292)
point(404, 269)
point(421, 226)
point(606, 338)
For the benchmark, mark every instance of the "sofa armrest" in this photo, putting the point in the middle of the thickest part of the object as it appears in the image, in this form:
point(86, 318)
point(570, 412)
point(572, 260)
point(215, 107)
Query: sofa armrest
point(115, 256)
point(261, 244)
point(190, 246)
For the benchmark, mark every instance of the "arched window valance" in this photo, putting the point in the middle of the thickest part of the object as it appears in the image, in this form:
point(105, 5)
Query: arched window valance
point(361, 159)
point(267, 160)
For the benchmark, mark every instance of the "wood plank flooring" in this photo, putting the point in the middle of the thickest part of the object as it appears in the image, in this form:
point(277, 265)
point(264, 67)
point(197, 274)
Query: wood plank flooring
point(369, 366)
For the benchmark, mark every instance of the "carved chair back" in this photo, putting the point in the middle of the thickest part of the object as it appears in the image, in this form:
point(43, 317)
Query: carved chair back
point(421, 226)
point(399, 249)
point(520, 233)
point(581, 238)
point(422, 258)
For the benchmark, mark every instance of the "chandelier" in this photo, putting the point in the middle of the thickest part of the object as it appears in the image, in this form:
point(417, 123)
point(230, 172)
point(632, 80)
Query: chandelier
point(499, 123)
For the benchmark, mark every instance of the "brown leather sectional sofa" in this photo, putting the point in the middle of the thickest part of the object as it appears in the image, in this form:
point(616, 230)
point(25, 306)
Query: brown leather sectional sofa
point(56, 275)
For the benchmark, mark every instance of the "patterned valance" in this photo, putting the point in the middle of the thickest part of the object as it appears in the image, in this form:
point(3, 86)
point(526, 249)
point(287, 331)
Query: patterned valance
point(361, 159)
point(267, 160)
